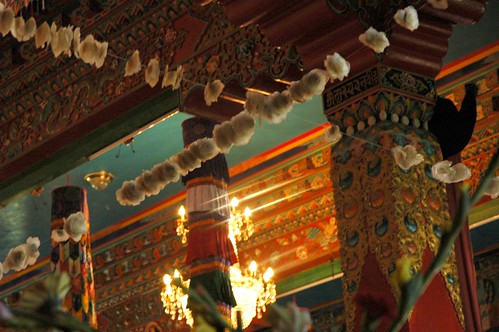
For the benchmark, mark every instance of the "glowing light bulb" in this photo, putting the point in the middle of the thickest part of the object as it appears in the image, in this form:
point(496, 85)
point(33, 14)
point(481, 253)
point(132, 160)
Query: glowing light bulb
point(247, 212)
point(252, 267)
point(268, 274)
point(234, 202)
point(176, 274)
point(167, 279)
point(181, 212)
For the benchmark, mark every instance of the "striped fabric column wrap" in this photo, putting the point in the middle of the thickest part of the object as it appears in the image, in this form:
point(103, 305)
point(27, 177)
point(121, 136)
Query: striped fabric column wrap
point(210, 252)
point(73, 257)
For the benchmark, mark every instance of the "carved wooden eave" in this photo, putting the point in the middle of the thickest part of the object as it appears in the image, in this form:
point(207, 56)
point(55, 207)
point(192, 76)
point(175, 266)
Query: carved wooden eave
point(321, 27)
point(54, 109)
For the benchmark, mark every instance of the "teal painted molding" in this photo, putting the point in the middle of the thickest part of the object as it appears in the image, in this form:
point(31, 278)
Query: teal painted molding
point(309, 276)
point(77, 152)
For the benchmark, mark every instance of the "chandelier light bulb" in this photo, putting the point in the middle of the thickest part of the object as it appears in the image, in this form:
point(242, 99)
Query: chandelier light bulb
point(253, 267)
point(268, 274)
point(181, 212)
point(167, 279)
point(247, 212)
point(234, 202)
point(176, 274)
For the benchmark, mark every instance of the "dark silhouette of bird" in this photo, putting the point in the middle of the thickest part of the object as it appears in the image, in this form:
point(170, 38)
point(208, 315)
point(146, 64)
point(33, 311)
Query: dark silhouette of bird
point(454, 128)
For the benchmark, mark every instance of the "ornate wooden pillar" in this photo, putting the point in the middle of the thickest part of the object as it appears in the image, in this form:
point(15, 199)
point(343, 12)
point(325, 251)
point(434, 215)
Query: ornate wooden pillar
point(384, 212)
point(74, 257)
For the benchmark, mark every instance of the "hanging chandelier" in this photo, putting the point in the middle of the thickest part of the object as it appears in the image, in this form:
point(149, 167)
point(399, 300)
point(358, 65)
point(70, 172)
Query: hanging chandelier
point(252, 290)
point(240, 223)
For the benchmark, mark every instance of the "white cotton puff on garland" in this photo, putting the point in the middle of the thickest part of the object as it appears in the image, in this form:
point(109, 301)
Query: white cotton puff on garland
point(6, 20)
point(333, 134)
point(375, 40)
point(277, 107)
point(255, 103)
point(152, 73)
point(186, 161)
point(166, 172)
point(75, 225)
point(407, 18)
point(148, 183)
point(223, 136)
point(204, 148)
point(212, 91)
point(337, 67)
point(244, 128)
point(128, 194)
point(312, 83)
point(133, 64)
point(43, 36)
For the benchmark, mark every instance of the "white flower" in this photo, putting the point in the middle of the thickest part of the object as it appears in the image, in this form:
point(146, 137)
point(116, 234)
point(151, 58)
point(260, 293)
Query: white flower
point(29, 29)
point(148, 183)
point(333, 134)
point(255, 102)
point(204, 148)
point(18, 28)
point(76, 42)
point(42, 35)
point(277, 107)
point(101, 54)
point(337, 67)
point(493, 189)
point(172, 77)
point(311, 84)
point(33, 243)
point(186, 161)
point(23, 31)
point(212, 91)
point(61, 40)
point(166, 172)
point(244, 128)
point(128, 194)
point(133, 64)
point(75, 225)
point(152, 73)
point(90, 50)
point(59, 235)
point(407, 17)
point(406, 156)
point(223, 136)
point(444, 172)
point(375, 40)
point(16, 258)
point(438, 4)
point(6, 20)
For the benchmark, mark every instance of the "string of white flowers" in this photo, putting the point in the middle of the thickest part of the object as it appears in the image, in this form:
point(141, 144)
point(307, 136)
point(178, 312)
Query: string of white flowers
point(21, 256)
point(239, 129)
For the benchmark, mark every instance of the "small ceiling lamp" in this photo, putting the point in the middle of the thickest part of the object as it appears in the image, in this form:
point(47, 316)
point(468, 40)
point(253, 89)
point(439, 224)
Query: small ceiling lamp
point(99, 180)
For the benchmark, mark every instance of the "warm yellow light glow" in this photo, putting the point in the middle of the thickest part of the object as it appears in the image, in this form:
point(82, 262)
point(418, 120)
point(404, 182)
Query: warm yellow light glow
point(268, 274)
point(234, 202)
point(247, 212)
point(252, 267)
point(181, 212)
point(253, 293)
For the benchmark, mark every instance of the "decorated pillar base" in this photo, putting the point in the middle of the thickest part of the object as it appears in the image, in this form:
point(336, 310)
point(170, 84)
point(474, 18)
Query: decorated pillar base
point(388, 215)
